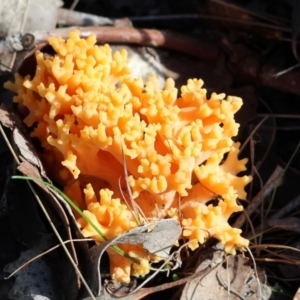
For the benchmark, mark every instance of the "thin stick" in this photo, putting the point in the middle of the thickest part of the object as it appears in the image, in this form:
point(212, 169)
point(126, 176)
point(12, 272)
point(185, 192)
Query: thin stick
point(9, 145)
point(76, 18)
point(210, 17)
point(290, 207)
point(74, 4)
point(283, 172)
point(279, 116)
point(269, 18)
point(273, 135)
point(82, 214)
point(264, 192)
point(286, 70)
point(138, 293)
point(253, 132)
point(135, 207)
point(264, 246)
point(146, 37)
point(42, 254)
point(256, 273)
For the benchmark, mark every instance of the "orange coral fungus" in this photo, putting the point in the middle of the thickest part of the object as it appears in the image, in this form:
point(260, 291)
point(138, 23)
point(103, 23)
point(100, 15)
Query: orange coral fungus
point(90, 114)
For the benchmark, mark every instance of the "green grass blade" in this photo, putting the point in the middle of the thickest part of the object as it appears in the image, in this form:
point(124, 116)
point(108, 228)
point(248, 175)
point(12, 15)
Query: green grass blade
point(80, 212)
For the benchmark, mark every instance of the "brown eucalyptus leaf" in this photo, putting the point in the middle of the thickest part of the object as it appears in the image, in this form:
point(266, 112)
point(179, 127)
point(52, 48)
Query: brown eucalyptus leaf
point(23, 145)
point(30, 170)
point(5, 117)
point(26, 149)
point(233, 279)
point(207, 260)
point(10, 119)
point(238, 276)
point(157, 237)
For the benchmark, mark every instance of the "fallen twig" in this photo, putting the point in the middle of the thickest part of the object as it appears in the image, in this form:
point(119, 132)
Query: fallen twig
point(290, 207)
point(264, 192)
point(147, 37)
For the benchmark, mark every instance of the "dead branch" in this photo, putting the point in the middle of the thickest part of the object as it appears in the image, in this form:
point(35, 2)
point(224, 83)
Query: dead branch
point(264, 192)
point(147, 37)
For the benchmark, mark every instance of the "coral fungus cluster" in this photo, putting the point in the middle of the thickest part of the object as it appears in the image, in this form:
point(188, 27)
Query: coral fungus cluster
point(93, 120)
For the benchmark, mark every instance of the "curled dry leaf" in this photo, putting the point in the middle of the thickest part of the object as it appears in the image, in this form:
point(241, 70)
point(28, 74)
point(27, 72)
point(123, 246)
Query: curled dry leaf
point(157, 237)
point(19, 16)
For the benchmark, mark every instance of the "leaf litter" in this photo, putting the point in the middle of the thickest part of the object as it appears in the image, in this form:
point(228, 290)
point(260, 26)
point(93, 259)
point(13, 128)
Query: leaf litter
point(19, 16)
point(35, 281)
point(225, 284)
point(29, 214)
point(157, 237)
point(162, 236)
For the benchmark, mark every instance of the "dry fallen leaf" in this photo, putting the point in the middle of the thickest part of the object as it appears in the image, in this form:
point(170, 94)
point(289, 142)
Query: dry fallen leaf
point(5, 117)
point(163, 235)
point(232, 279)
point(289, 223)
point(26, 15)
point(21, 16)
